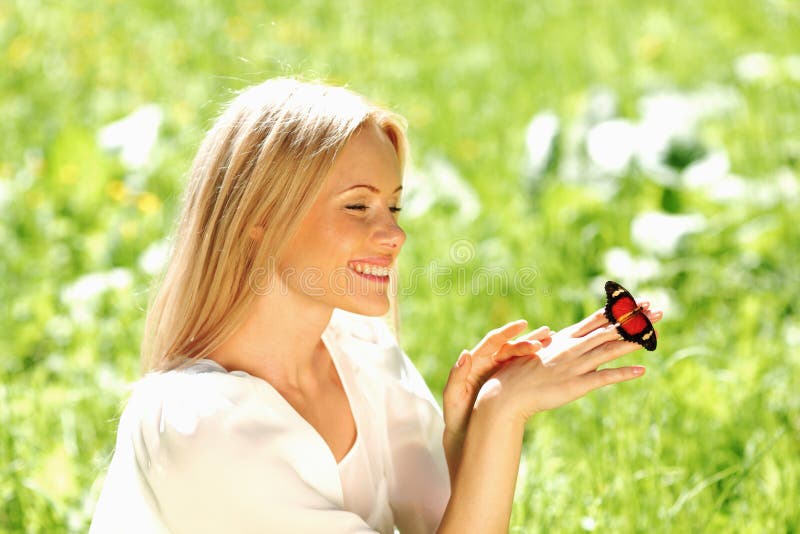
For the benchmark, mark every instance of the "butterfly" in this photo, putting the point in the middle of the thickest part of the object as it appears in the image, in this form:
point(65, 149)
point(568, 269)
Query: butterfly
point(630, 319)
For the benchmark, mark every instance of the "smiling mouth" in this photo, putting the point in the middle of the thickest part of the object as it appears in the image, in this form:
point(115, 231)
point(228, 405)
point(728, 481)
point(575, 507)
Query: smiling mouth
point(371, 271)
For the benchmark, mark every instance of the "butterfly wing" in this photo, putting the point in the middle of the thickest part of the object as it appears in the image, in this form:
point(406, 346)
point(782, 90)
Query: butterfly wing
point(637, 328)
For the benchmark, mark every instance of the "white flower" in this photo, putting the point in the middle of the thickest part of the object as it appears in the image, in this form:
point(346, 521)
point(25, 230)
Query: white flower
point(781, 187)
point(669, 117)
point(134, 136)
point(755, 67)
point(540, 138)
point(791, 65)
point(660, 299)
point(660, 233)
point(439, 182)
point(611, 145)
point(6, 193)
point(792, 334)
point(588, 524)
point(81, 296)
point(153, 259)
point(666, 117)
point(601, 106)
point(711, 175)
point(706, 171)
point(91, 285)
point(619, 263)
point(786, 184)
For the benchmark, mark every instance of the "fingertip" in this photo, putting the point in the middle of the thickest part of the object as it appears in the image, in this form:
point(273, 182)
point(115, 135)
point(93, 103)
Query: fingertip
point(540, 333)
point(638, 370)
point(513, 328)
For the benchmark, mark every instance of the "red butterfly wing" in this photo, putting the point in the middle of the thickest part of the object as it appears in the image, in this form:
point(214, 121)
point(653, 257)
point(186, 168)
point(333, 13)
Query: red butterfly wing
point(636, 327)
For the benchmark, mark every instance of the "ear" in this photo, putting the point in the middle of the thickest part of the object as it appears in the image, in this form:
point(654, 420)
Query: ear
point(257, 232)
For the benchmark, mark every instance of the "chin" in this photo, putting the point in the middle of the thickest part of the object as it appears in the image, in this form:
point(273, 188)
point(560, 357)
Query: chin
point(377, 308)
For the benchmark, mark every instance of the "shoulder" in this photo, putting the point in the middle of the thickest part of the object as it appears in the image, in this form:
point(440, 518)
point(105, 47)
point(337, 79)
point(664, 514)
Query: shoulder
point(218, 448)
point(174, 416)
point(181, 399)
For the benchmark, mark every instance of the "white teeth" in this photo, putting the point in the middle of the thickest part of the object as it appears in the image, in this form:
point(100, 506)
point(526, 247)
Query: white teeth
point(373, 270)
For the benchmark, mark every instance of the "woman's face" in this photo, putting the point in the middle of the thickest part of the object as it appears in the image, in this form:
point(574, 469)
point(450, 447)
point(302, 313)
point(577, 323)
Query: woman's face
point(343, 250)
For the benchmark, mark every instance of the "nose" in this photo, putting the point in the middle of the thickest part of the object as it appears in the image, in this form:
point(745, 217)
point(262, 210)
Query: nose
point(389, 234)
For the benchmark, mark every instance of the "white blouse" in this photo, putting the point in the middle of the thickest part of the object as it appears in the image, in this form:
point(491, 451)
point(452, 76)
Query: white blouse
point(206, 450)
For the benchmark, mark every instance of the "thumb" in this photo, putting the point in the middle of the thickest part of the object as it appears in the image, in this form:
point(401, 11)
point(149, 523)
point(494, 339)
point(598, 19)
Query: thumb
point(457, 387)
point(457, 392)
point(464, 363)
point(457, 380)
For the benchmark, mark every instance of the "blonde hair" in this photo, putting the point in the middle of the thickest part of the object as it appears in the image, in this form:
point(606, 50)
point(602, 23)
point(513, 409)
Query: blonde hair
point(262, 164)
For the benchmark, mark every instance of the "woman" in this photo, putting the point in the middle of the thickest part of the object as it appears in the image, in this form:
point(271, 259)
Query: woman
point(277, 399)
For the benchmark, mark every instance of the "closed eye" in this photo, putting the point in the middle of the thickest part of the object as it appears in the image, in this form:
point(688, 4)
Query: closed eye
point(362, 207)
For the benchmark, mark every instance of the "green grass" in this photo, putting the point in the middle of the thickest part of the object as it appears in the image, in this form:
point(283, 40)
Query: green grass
point(708, 440)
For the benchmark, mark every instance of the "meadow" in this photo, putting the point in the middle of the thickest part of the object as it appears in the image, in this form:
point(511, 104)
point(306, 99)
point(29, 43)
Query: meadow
point(555, 145)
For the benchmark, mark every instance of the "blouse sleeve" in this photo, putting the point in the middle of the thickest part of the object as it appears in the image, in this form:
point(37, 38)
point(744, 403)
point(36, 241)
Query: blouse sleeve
point(420, 483)
point(209, 468)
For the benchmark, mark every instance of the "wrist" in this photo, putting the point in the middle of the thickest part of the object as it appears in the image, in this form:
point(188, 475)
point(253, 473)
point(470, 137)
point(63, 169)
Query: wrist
point(491, 410)
point(454, 433)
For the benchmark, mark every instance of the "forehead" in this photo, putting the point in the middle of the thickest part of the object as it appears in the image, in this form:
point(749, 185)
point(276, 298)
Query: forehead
point(368, 157)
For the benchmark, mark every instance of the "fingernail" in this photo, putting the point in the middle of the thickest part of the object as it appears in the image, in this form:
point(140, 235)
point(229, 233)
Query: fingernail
point(638, 370)
point(461, 359)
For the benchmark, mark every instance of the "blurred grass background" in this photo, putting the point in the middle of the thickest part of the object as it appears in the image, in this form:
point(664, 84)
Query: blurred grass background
point(700, 213)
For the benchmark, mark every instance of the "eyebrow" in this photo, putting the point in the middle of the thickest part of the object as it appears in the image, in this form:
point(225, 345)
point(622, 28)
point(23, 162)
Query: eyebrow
point(370, 187)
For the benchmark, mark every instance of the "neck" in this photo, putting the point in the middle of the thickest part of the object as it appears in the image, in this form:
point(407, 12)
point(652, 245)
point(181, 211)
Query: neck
point(280, 341)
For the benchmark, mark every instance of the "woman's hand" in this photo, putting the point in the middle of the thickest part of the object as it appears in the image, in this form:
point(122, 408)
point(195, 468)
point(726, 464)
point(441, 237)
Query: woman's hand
point(565, 370)
point(472, 370)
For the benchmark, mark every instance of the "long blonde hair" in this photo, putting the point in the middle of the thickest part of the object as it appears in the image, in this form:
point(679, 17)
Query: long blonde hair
point(262, 164)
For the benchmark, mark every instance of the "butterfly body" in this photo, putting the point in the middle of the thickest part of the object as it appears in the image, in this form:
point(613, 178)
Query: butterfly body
point(631, 321)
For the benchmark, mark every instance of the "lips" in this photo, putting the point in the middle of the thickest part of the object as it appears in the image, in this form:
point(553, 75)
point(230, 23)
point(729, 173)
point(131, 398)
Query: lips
point(370, 268)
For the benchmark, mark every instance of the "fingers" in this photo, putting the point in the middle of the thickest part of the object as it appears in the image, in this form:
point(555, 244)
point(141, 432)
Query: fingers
point(605, 353)
point(543, 334)
point(457, 381)
point(654, 315)
point(495, 339)
point(596, 320)
point(589, 324)
point(513, 349)
point(594, 340)
point(606, 377)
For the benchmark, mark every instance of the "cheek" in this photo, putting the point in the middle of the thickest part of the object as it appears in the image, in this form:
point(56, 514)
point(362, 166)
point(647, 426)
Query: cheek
point(326, 241)
point(340, 230)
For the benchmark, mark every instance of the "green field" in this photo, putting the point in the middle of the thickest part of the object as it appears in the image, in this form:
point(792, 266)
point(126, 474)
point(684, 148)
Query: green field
point(670, 165)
